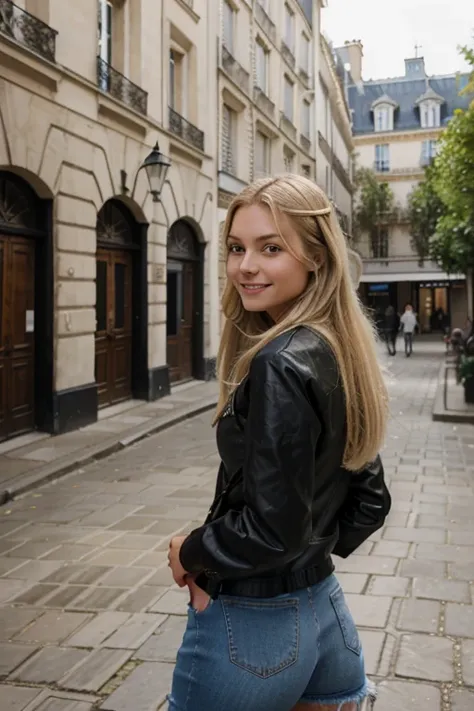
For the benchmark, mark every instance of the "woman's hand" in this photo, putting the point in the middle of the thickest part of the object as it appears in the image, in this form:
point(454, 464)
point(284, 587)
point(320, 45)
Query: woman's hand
point(177, 570)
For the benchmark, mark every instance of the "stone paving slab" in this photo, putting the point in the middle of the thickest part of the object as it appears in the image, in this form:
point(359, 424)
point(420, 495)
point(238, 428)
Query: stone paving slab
point(110, 596)
point(25, 468)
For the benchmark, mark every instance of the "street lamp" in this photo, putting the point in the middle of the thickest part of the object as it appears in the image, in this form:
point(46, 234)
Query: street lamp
point(156, 167)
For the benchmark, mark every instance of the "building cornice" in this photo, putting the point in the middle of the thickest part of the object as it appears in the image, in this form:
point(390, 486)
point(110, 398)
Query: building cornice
point(397, 137)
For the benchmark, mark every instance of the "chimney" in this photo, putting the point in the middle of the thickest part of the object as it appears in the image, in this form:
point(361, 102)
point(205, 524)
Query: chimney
point(353, 52)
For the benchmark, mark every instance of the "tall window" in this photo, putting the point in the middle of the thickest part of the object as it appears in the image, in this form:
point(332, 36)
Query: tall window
point(262, 154)
point(261, 61)
point(430, 115)
point(305, 54)
point(228, 139)
point(105, 30)
point(306, 119)
point(379, 242)
point(382, 158)
point(177, 81)
point(289, 28)
point(428, 151)
point(288, 159)
point(229, 26)
point(383, 117)
point(288, 100)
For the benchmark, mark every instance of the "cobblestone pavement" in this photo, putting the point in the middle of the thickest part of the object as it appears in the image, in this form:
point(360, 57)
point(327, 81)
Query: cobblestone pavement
point(88, 618)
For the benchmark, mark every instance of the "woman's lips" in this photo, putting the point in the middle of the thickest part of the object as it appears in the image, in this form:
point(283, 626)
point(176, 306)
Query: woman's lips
point(254, 288)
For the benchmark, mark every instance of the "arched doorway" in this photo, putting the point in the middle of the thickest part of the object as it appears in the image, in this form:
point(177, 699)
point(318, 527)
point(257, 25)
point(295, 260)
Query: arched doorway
point(184, 302)
point(26, 309)
point(121, 305)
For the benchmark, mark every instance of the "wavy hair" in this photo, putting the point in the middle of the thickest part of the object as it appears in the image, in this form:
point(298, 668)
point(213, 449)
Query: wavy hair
point(329, 306)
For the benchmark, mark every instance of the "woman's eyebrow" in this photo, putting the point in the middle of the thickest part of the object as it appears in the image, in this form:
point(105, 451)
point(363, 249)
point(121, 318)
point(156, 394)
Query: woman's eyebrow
point(271, 235)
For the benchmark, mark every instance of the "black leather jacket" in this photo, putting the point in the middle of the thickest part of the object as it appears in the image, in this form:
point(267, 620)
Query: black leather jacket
point(283, 501)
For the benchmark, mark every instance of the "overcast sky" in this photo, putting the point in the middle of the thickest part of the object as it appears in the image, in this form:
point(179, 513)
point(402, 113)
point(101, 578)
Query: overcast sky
point(390, 30)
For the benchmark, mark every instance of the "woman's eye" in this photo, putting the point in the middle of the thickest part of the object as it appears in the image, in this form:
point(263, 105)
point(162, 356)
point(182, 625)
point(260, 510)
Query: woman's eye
point(272, 248)
point(234, 248)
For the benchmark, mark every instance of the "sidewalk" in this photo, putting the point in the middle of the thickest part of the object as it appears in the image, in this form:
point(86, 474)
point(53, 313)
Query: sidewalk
point(28, 461)
point(90, 619)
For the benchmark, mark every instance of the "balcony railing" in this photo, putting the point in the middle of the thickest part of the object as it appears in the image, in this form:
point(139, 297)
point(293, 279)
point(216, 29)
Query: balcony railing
point(382, 166)
point(185, 130)
point(236, 72)
point(27, 30)
point(121, 88)
point(263, 102)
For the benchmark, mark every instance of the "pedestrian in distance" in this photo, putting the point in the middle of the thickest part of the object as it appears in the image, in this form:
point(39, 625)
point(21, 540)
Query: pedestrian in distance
point(301, 417)
point(408, 323)
point(390, 330)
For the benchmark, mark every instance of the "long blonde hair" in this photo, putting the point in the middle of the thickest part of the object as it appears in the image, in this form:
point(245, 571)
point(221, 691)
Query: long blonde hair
point(329, 306)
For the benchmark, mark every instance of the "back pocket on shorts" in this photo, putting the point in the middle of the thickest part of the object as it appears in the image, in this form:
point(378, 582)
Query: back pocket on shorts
point(346, 623)
point(263, 634)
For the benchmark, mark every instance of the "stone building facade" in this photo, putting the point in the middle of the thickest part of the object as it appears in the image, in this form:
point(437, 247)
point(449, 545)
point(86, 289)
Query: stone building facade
point(281, 102)
point(396, 125)
point(106, 295)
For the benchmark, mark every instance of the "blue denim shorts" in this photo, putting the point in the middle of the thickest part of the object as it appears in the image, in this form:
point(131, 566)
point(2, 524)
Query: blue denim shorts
point(248, 654)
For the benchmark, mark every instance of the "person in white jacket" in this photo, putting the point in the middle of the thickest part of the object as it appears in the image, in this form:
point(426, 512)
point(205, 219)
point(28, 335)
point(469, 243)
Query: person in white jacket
point(408, 323)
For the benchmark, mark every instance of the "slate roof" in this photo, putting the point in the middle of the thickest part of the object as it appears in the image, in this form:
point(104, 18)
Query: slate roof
point(405, 92)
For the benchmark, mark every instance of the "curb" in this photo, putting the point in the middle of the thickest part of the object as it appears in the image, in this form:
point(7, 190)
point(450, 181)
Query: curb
point(68, 464)
point(439, 414)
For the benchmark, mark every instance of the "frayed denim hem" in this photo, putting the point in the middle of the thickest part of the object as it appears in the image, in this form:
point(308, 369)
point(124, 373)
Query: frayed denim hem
point(364, 697)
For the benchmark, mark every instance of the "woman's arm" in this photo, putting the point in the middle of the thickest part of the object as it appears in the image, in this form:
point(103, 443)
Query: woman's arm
point(275, 524)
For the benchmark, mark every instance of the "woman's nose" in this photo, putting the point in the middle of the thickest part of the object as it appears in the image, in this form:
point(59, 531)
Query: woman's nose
point(249, 263)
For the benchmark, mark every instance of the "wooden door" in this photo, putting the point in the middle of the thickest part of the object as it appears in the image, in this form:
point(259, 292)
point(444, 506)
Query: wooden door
point(179, 306)
point(113, 341)
point(17, 344)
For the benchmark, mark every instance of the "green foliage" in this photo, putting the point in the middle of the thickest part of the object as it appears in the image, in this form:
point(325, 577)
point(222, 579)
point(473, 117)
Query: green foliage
point(453, 181)
point(424, 210)
point(375, 206)
point(466, 368)
point(468, 54)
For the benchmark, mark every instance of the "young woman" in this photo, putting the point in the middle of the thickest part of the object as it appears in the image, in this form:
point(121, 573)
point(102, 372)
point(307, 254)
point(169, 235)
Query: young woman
point(301, 417)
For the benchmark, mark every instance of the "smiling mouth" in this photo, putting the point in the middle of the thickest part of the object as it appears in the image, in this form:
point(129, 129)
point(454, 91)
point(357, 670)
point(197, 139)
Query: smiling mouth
point(254, 287)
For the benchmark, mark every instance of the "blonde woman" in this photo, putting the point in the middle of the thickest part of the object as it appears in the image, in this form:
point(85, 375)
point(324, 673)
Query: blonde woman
point(300, 420)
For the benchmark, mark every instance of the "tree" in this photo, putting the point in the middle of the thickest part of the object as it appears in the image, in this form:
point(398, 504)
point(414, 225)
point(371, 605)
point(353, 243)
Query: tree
point(424, 210)
point(468, 54)
point(453, 179)
point(374, 211)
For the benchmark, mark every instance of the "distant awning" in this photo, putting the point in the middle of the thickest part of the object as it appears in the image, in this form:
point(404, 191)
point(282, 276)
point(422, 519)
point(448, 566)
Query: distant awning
point(418, 276)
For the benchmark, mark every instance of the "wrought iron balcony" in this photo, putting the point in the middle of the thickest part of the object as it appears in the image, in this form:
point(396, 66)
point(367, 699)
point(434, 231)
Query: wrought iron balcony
point(185, 130)
point(121, 88)
point(27, 30)
point(382, 166)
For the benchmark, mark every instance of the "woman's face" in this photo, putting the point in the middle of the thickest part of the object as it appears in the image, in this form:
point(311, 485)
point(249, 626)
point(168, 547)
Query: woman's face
point(267, 276)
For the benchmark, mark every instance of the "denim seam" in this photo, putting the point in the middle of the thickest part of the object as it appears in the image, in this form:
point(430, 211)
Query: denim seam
point(193, 664)
point(233, 649)
point(318, 626)
point(343, 624)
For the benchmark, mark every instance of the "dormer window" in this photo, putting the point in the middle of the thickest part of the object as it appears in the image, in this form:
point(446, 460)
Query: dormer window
point(430, 114)
point(429, 105)
point(383, 109)
point(384, 118)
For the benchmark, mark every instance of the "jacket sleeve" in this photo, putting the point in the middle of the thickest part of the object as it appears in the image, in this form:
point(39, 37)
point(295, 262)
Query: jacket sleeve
point(364, 511)
point(281, 435)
